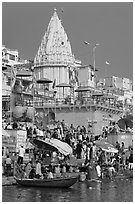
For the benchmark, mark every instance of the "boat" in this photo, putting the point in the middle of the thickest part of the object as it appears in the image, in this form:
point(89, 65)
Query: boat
point(63, 182)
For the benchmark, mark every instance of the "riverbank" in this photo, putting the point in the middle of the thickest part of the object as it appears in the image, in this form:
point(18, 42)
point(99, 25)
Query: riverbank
point(8, 181)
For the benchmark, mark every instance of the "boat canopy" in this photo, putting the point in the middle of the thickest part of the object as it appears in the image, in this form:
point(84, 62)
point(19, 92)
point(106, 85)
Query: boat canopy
point(53, 145)
point(105, 146)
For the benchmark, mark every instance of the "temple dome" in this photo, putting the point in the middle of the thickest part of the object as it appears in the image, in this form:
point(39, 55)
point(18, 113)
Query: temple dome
point(55, 47)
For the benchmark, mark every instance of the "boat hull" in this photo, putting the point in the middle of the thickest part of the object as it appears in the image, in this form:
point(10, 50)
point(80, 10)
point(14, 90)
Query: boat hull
point(49, 183)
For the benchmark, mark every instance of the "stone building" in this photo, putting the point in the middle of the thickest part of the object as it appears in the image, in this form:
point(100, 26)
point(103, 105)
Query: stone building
point(54, 59)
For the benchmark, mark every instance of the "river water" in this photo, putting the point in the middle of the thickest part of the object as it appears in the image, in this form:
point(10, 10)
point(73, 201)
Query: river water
point(120, 190)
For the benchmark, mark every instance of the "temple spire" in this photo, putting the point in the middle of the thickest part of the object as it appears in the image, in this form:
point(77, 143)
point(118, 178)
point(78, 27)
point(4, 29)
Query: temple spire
point(55, 47)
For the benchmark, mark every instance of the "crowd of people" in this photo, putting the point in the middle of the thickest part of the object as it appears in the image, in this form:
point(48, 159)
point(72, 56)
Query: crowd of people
point(84, 148)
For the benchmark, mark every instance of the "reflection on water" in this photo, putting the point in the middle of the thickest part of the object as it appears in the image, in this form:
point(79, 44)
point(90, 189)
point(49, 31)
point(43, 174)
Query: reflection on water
point(113, 191)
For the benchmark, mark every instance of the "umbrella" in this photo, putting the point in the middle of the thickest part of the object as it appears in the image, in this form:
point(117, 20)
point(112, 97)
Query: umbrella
point(64, 85)
point(4, 67)
point(97, 94)
point(52, 145)
point(44, 81)
point(23, 74)
point(82, 89)
point(105, 146)
point(124, 123)
point(110, 97)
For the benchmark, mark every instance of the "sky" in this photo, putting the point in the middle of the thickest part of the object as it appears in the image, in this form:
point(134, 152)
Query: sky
point(108, 23)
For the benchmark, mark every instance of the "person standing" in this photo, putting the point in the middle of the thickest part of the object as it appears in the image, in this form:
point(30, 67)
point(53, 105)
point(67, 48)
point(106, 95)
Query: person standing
point(130, 165)
point(79, 149)
point(38, 169)
point(8, 166)
point(21, 155)
point(122, 147)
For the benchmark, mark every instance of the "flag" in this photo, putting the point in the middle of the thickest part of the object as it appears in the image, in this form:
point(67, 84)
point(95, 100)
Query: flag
point(54, 84)
point(107, 62)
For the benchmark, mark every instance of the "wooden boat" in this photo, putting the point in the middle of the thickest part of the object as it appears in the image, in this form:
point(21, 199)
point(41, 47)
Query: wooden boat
point(63, 182)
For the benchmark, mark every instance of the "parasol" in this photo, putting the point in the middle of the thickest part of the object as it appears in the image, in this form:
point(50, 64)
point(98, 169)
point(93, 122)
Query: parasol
point(4, 67)
point(97, 94)
point(63, 85)
point(105, 146)
point(124, 123)
point(110, 97)
point(82, 89)
point(44, 81)
point(52, 145)
point(23, 74)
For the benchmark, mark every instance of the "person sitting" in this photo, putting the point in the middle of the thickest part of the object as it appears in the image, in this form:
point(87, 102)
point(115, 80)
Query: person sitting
point(57, 170)
point(8, 166)
point(63, 169)
point(111, 170)
point(9, 126)
point(28, 169)
point(50, 175)
point(71, 169)
point(32, 173)
point(14, 125)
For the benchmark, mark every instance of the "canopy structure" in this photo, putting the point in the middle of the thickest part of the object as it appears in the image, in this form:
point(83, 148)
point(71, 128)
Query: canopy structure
point(53, 145)
point(4, 67)
point(110, 97)
point(105, 146)
point(23, 74)
point(44, 81)
point(124, 123)
point(82, 89)
point(97, 94)
point(64, 85)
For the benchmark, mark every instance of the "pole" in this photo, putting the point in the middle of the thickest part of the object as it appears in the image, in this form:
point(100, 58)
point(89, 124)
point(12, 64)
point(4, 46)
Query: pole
point(33, 81)
point(93, 115)
point(73, 107)
point(55, 106)
point(94, 64)
point(10, 104)
point(94, 67)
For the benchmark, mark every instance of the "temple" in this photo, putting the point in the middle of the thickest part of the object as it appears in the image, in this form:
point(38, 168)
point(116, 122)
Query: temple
point(54, 59)
point(73, 94)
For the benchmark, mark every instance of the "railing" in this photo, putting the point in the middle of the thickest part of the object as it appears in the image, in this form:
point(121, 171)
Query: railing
point(88, 101)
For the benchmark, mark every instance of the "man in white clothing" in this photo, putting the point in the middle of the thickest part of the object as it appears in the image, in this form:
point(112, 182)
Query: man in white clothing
point(38, 169)
point(21, 155)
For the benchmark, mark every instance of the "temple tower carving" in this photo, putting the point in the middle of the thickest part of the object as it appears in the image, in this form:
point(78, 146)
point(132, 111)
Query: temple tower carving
point(54, 59)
